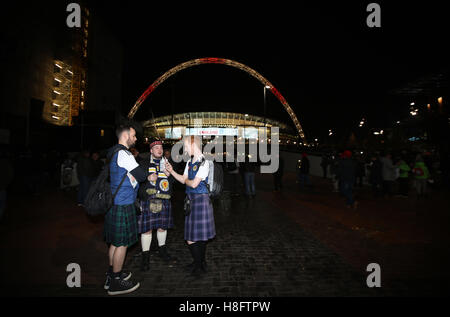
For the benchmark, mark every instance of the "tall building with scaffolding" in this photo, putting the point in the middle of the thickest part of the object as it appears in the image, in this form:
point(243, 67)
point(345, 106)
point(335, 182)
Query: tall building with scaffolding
point(62, 85)
point(68, 94)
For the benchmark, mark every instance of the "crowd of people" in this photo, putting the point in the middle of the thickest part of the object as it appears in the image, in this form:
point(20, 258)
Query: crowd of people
point(388, 175)
point(144, 182)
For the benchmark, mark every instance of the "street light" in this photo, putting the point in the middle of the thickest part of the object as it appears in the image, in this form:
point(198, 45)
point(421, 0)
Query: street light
point(361, 123)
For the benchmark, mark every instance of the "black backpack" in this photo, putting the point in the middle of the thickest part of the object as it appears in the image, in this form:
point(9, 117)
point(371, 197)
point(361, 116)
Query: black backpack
point(99, 198)
point(215, 178)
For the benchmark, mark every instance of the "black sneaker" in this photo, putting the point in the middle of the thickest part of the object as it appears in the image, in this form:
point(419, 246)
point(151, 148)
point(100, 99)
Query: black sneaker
point(119, 286)
point(125, 276)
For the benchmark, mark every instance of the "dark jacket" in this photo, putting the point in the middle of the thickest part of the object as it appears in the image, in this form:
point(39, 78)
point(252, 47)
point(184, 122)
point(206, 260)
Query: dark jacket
point(376, 176)
point(155, 189)
point(304, 165)
point(280, 170)
point(85, 167)
point(346, 171)
point(98, 166)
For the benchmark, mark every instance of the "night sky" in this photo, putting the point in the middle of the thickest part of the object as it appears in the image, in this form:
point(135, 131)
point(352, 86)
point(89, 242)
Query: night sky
point(326, 62)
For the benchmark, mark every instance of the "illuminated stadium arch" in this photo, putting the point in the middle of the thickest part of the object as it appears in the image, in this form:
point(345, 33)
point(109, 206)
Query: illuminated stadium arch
point(229, 62)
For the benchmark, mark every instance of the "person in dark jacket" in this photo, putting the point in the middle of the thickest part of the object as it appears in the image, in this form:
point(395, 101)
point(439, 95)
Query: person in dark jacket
point(98, 164)
point(324, 164)
point(303, 170)
point(278, 175)
point(249, 177)
point(347, 176)
point(360, 171)
point(85, 173)
point(376, 177)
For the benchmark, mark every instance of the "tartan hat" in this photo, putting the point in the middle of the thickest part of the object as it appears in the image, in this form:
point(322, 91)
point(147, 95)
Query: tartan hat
point(155, 142)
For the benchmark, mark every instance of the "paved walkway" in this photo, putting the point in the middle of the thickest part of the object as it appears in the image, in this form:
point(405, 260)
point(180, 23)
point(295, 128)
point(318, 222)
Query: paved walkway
point(279, 244)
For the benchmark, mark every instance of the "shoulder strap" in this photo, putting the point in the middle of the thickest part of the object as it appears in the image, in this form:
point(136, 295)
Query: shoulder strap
point(120, 184)
point(123, 178)
point(206, 183)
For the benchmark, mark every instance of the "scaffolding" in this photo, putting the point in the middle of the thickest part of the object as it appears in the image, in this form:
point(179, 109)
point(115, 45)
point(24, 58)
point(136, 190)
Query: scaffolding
point(58, 111)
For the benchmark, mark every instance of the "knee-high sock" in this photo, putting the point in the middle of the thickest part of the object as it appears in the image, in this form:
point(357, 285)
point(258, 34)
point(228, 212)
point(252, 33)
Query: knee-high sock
point(146, 241)
point(161, 236)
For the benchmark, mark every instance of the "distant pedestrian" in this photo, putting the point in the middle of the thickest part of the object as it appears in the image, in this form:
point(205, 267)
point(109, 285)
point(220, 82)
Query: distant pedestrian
point(85, 173)
point(376, 175)
point(278, 175)
point(360, 171)
point(249, 178)
point(324, 164)
point(347, 175)
point(136, 155)
point(97, 163)
point(303, 171)
point(389, 174)
point(333, 172)
point(421, 176)
point(233, 172)
point(403, 178)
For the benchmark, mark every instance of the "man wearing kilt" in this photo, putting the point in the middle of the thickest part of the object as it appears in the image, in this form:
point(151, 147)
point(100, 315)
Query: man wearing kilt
point(156, 209)
point(120, 220)
point(199, 222)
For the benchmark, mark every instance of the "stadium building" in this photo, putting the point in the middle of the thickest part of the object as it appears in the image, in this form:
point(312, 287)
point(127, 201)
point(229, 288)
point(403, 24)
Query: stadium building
point(171, 128)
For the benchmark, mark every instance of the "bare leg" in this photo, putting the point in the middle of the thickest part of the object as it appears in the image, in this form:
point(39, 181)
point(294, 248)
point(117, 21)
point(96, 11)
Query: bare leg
point(111, 254)
point(119, 258)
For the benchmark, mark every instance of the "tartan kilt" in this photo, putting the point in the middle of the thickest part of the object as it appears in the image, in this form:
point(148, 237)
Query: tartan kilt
point(150, 221)
point(199, 224)
point(121, 226)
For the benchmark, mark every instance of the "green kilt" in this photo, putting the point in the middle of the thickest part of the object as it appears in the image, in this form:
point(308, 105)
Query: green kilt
point(121, 226)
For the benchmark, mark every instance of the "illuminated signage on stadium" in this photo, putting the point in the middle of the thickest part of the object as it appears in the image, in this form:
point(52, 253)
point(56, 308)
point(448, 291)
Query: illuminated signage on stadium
point(211, 131)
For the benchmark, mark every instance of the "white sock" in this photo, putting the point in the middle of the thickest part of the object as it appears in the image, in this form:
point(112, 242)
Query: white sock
point(146, 241)
point(161, 236)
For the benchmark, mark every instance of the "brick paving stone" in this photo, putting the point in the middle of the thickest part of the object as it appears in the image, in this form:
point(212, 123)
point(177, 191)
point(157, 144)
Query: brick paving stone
point(258, 251)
